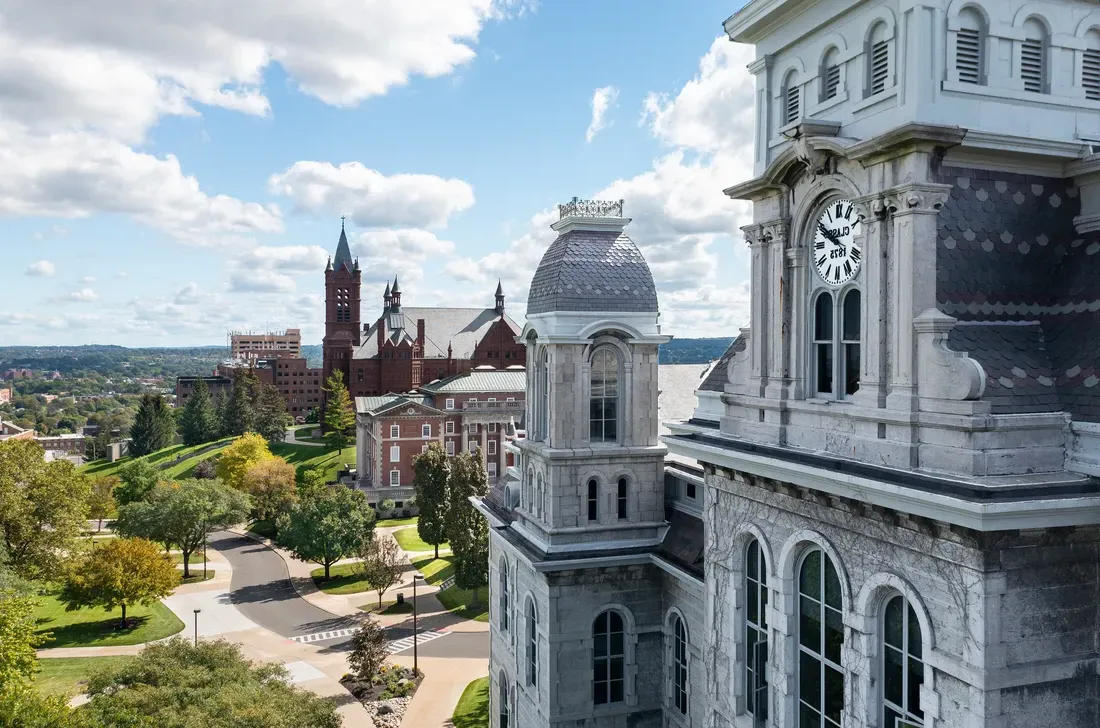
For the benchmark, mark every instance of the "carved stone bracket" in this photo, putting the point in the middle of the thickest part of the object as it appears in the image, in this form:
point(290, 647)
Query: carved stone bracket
point(942, 373)
point(754, 235)
point(871, 206)
point(739, 367)
point(925, 198)
point(776, 232)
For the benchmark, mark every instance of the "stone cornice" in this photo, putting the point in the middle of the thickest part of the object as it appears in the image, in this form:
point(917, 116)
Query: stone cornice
point(905, 139)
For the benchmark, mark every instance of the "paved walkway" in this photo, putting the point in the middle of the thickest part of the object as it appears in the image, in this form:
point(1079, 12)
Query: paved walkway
point(292, 439)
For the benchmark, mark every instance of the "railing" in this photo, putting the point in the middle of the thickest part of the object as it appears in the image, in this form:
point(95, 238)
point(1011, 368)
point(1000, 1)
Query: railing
point(590, 208)
point(493, 406)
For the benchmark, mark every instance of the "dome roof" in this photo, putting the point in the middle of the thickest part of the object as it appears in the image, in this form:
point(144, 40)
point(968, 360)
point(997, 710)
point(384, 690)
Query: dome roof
point(592, 269)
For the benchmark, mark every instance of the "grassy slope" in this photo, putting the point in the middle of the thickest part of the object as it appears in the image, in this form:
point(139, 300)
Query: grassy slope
point(459, 601)
point(183, 468)
point(409, 540)
point(100, 628)
point(304, 457)
point(391, 522)
point(343, 579)
point(472, 710)
point(67, 675)
point(435, 570)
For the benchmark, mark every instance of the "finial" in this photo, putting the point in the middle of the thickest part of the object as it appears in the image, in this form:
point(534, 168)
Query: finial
point(341, 223)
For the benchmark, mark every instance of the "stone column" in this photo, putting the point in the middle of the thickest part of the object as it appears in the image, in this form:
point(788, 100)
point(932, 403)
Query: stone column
point(796, 295)
point(913, 281)
point(776, 235)
point(465, 435)
point(484, 438)
point(758, 316)
point(874, 241)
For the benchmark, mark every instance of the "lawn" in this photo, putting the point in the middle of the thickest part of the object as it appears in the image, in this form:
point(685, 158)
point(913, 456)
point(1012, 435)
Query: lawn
point(100, 628)
point(181, 469)
point(472, 710)
point(67, 675)
point(304, 457)
point(391, 522)
point(196, 576)
point(389, 606)
point(343, 579)
point(263, 529)
point(435, 570)
point(409, 540)
point(458, 601)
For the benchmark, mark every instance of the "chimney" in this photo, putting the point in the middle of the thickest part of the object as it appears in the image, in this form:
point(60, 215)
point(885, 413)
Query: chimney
point(381, 333)
point(420, 334)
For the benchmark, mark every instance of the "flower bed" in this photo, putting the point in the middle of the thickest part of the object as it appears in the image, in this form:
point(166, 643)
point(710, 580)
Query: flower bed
point(386, 696)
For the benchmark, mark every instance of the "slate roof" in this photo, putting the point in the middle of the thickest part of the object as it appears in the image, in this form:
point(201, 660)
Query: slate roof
point(719, 374)
point(343, 253)
point(481, 380)
point(592, 270)
point(683, 542)
point(1026, 287)
point(461, 328)
point(378, 405)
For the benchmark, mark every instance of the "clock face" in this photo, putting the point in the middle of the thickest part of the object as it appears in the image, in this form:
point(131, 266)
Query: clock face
point(836, 253)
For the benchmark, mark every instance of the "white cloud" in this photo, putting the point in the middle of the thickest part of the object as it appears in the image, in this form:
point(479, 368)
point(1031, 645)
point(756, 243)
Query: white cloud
point(87, 279)
point(602, 99)
point(370, 198)
point(81, 295)
point(386, 253)
point(285, 258)
point(41, 269)
point(250, 280)
point(188, 294)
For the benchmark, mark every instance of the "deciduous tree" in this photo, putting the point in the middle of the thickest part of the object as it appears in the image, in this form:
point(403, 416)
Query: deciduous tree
point(43, 508)
point(327, 527)
point(368, 650)
point(137, 478)
point(271, 484)
point(430, 472)
point(121, 573)
point(176, 684)
point(339, 413)
point(154, 426)
point(271, 418)
point(101, 499)
point(198, 419)
point(242, 454)
point(467, 529)
point(312, 482)
point(18, 638)
point(381, 564)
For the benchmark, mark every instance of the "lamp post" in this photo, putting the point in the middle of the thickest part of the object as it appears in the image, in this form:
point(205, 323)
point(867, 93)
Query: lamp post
point(197, 627)
point(417, 576)
point(205, 538)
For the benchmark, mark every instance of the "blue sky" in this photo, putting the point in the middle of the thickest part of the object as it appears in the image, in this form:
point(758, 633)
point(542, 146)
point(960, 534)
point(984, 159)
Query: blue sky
point(171, 176)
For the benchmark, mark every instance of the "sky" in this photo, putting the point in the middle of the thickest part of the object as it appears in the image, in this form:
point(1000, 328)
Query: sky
point(176, 170)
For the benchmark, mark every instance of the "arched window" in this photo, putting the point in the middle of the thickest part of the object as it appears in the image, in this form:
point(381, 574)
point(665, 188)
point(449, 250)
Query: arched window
point(820, 638)
point(829, 74)
point(1033, 57)
point(970, 41)
point(503, 704)
point(593, 500)
point(877, 54)
point(679, 665)
point(608, 658)
point(544, 396)
point(604, 397)
point(902, 668)
point(850, 340)
point(756, 634)
point(1090, 66)
point(791, 99)
point(504, 600)
point(538, 496)
point(620, 499)
point(532, 644)
point(823, 344)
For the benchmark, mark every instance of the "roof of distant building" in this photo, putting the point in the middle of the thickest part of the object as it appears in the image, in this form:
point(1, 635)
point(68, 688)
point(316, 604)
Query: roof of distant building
point(379, 404)
point(480, 380)
point(461, 329)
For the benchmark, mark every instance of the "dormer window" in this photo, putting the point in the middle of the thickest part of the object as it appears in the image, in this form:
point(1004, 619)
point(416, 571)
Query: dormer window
point(1033, 57)
point(878, 60)
point(830, 74)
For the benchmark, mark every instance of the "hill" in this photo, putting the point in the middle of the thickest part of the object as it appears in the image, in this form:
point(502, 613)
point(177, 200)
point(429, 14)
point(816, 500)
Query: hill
point(694, 351)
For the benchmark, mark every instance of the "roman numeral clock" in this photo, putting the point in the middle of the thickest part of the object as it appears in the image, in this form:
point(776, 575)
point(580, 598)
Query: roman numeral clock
point(836, 253)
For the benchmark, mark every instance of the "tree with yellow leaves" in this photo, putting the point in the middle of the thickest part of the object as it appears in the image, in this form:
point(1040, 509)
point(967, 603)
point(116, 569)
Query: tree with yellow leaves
point(242, 454)
point(122, 572)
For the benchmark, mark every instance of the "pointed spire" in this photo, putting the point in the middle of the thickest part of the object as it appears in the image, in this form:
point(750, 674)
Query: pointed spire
point(396, 286)
point(343, 251)
point(328, 265)
point(387, 292)
point(500, 289)
point(395, 294)
point(500, 298)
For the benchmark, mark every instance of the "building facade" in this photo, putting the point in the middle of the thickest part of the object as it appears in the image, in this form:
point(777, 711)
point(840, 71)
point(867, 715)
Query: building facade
point(251, 347)
point(476, 411)
point(895, 516)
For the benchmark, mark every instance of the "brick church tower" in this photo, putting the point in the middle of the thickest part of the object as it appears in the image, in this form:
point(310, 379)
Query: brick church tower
point(342, 327)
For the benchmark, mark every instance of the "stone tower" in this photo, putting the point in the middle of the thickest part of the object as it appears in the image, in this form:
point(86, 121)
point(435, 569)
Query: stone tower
point(342, 327)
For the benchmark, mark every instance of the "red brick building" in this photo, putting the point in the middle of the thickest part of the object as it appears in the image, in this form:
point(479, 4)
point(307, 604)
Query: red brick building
point(475, 410)
point(405, 348)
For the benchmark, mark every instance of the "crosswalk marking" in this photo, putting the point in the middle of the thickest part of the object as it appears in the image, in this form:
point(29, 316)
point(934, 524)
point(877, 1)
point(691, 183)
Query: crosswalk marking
point(323, 636)
point(406, 643)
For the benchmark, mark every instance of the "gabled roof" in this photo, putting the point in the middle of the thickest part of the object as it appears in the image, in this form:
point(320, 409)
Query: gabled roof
point(386, 402)
point(460, 328)
point(481, 380)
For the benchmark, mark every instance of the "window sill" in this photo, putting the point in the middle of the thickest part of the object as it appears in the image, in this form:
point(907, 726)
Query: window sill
point(829, 103)
point(817, 400)
point(878, 98)
point(997, 92)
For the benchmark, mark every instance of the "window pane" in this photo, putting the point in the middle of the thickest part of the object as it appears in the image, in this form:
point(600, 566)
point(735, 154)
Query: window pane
point(616, 643)
point(834, 634)
point(916, 679)
point(893, 687)
point(616, 668)
point(914, 633)
point(892, 629)
point(823, 317)
point(809, 578)
point(753, 559)
point(832, 585)
point(825, 368)
point(809, 679)
point(807, 718)
point(851, 316)
point(809, 624)
point(751, 594)
point(617, 691)
point(851, 368)
point(599, 693)
point(609, 432)
point(834, 693)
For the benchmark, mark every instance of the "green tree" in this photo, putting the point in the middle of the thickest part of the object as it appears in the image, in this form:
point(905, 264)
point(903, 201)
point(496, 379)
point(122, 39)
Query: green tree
point(368, 650)
point(221, 409)
point(198, 419)
point(18, 660)
point(467, 529)
point(154, 426)
point(43, 508)
point(181, 514)
point(327, 527)
point(271, 484)
point(312, 482)
point(430, 472)
point(120, 573)
point(176, 684)
point(239, 416)
point(339, 413)
point(21, 706)
point(242, 454)
point(381, 563)
point(137, 478)
point(271, 416)
point(101, 499)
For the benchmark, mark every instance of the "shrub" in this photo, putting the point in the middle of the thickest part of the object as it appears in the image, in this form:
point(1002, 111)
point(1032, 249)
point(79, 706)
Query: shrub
point(386, 506)
point(205, 470)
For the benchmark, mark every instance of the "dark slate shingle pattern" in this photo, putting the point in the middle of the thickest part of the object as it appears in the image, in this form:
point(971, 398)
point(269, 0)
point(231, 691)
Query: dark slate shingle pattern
point(461, 328)
point(592, 270)
point(718, 375)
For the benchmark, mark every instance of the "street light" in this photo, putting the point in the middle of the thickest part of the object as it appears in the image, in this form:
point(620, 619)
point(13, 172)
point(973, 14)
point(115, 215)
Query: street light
point(417, 576)
point(197, 627)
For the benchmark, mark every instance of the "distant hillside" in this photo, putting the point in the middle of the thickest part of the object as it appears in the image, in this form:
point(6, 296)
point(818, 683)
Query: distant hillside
point(312, 353)
point(694, 351)
point(112, 361)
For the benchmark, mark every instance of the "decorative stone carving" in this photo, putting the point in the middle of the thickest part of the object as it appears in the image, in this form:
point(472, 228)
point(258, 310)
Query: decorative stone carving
point(871, 207)
point(739, 367)
point(754, 235)
point(917, 198)
point(775, 231)
point(942, 373)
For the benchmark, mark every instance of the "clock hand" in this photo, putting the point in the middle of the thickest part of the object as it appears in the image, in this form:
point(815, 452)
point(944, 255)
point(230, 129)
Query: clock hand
point(828, 233)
